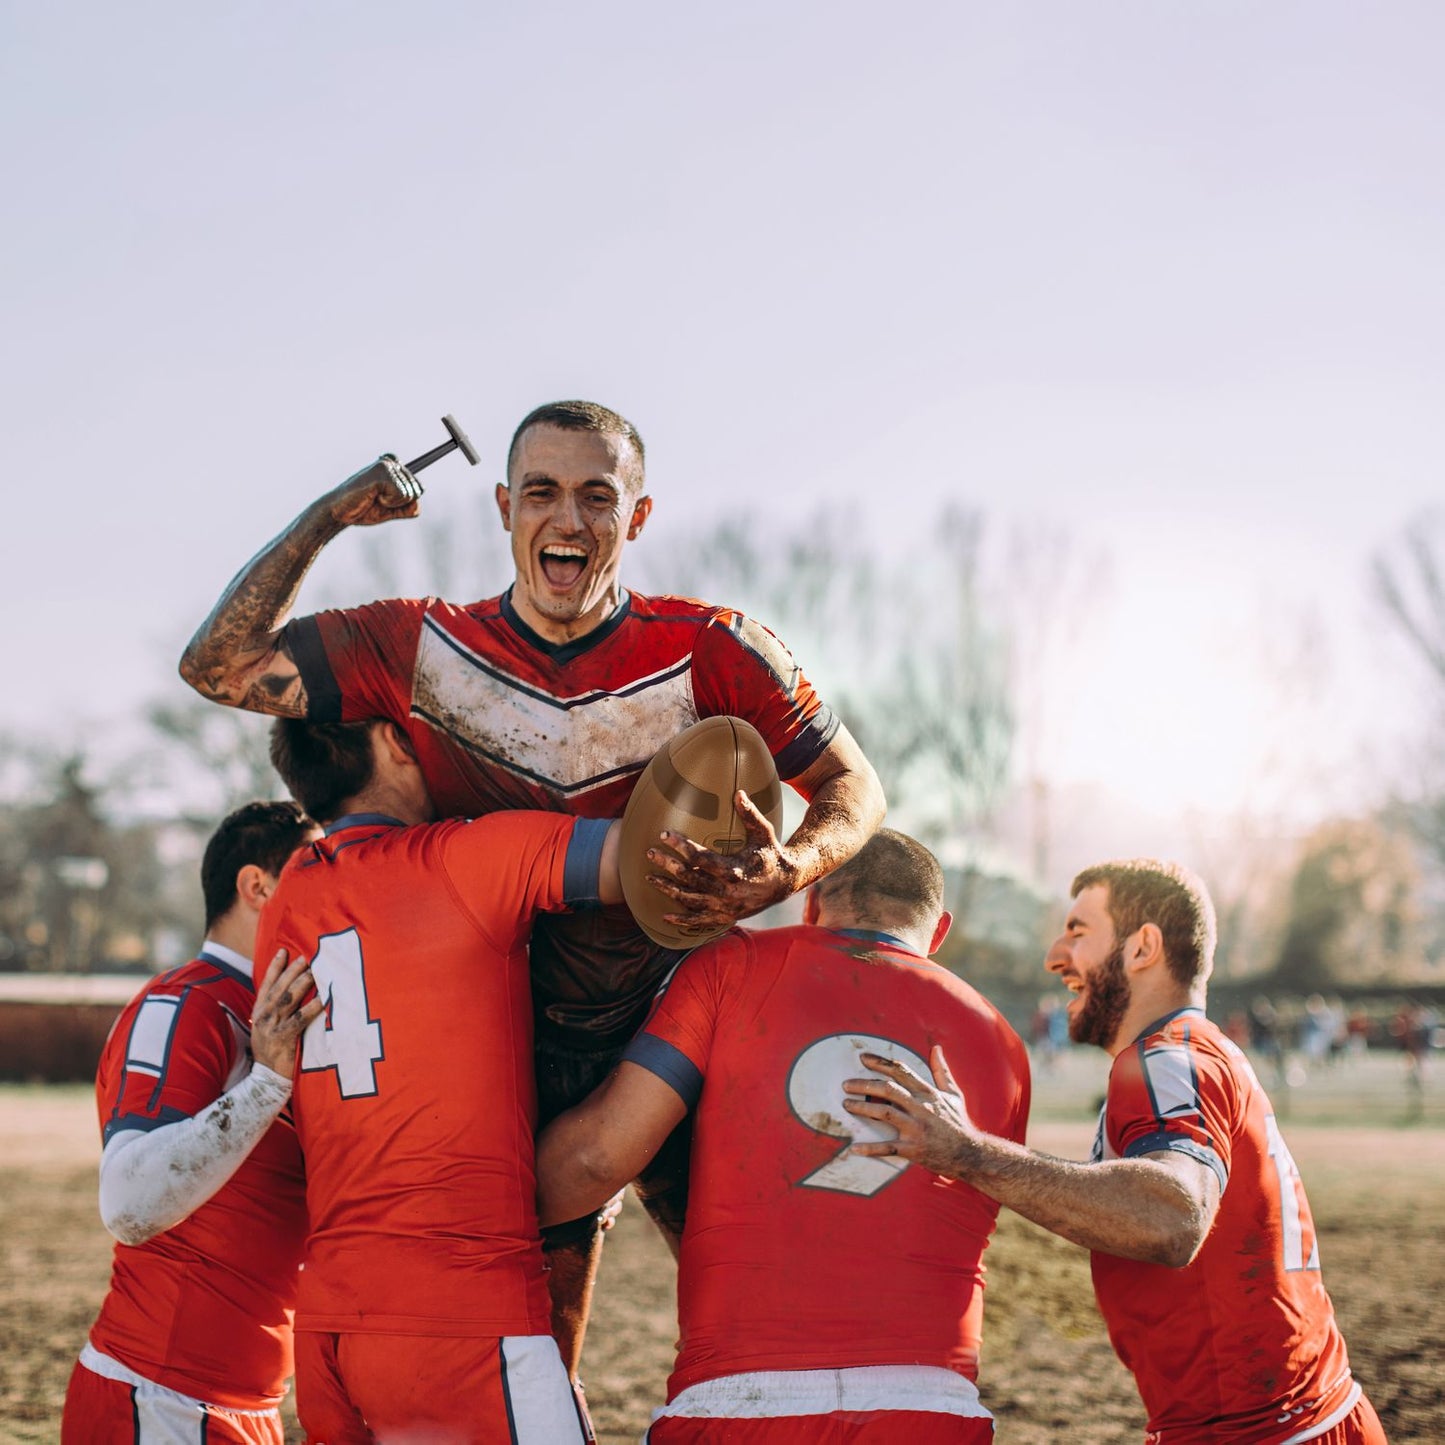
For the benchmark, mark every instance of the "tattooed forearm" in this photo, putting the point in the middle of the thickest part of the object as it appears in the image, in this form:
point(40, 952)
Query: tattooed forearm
point(236, 656)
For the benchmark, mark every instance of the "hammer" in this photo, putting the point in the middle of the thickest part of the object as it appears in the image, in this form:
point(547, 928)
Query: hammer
point(459, 442)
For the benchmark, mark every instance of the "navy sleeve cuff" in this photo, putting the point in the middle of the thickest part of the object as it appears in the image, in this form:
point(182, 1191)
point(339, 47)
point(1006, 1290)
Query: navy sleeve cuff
point(1164, 1141)
point(669, 1063)
point(142, 1123)
point(809, 745)
point(582, 872)
point(323, 695)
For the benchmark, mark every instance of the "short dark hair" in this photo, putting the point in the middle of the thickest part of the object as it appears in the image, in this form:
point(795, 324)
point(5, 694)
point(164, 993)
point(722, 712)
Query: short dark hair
point(322, 764)
point(580, 416)
point(263, 834)
point(1144, 890)
point(892, 878)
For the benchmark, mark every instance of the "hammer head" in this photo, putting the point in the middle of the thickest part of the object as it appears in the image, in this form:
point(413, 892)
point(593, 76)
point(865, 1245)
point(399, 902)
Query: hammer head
point(460, 437)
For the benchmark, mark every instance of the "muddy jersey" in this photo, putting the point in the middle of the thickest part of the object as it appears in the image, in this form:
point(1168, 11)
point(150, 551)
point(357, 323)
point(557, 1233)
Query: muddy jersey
point(414, 1097)
point(796, 1255)
point(502, 718)
point(203, 1308)
point(1241, 1344)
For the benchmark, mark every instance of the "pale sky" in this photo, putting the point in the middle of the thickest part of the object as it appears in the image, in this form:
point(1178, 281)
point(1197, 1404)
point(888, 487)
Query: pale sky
point(1166, 276)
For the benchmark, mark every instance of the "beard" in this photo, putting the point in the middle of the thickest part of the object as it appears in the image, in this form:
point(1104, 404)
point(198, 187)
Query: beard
point(1106, 999)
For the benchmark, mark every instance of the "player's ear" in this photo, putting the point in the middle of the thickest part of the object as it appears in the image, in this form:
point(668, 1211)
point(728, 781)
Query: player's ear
point(811, 907)
point(396, 741)
point(504, 505)
point(254, 885)
point(940, 931)
point(641, 511)
point(1145, 948)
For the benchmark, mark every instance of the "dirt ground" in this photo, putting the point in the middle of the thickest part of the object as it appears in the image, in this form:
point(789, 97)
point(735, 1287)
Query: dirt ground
point(1378, 1196)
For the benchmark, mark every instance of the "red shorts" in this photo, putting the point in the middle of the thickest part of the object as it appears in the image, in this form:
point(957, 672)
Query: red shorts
point(851, 1427)
point(352, 1389)
point(136, 1412)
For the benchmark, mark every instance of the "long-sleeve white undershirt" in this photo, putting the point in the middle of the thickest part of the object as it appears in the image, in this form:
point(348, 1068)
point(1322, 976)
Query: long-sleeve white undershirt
point(151, 1180)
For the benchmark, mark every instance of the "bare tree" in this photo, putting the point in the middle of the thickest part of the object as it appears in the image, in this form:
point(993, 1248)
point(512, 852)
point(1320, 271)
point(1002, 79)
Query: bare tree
point(905, 651)
point(1409, 581)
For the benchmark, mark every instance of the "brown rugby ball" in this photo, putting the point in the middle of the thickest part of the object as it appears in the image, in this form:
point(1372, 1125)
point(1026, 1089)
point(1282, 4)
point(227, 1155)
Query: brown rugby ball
point(688, 787)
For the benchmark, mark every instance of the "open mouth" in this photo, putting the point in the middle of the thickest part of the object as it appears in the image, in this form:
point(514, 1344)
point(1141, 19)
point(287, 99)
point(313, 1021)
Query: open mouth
point(562, 565)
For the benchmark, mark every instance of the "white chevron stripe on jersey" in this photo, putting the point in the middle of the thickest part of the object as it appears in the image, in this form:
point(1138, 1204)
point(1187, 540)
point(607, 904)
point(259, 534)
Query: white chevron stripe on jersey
point(1170, 1073)
point(567, 744)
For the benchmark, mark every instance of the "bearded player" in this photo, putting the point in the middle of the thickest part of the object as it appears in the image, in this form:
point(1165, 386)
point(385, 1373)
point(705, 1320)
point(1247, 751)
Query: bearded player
point(200, 1178)
point(1206, 1261)
point(820, 1296)
point(555, 695)
point(423, 1312)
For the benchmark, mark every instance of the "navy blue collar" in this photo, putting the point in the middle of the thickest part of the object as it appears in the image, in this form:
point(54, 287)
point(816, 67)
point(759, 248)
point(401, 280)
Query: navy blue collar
point(216, 961)
point(363, 820)
point(1160, 1022)
point(876, 935)
point(563, 652)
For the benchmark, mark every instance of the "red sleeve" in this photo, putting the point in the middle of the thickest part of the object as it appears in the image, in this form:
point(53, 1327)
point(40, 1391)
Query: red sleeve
point(174, 1059)
point(357, 662)
point(1165, 1095)
point(676, 1041)
point(505, 868)
point(739, 669)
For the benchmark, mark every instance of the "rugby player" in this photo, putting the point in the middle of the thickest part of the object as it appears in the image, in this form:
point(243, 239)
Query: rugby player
point(798, 1321)
point(423, 1311)
point(1206, 1262)
point(554, 695)
point(200, 1178)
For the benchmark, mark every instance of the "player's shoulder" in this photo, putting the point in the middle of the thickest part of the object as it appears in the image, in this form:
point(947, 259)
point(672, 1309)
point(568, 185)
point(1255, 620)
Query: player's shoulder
point(646, 607)
point(1188, 1049)
point(203, 977)
point(200, 990)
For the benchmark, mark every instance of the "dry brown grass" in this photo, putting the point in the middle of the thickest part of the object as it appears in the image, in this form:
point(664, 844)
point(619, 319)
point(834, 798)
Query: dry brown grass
point(1048, 1373)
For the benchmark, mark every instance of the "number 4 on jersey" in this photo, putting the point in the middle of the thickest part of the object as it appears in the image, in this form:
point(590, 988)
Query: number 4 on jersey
point(343, 1036)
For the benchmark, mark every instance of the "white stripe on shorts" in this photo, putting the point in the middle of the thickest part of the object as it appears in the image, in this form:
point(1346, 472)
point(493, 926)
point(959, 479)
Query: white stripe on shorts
point(1333, 1419)
point(762, 1394)
point(164, 1417)
point(540, 1402)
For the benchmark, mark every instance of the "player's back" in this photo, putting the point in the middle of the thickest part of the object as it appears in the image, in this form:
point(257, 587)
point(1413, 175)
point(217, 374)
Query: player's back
point(796, 1257)
point(414, 1099)
point(1242, 1342)
point(205, 1306)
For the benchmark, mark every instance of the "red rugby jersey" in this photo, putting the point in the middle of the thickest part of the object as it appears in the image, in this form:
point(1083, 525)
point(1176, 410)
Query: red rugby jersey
point(414, 1096)
point(794, 1257)
point(1241, 1344)
point(203, 1308)
point(502, 718)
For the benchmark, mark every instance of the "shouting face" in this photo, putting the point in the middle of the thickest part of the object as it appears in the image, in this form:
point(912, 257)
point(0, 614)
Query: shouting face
point(1090, 962)
point(572, 501)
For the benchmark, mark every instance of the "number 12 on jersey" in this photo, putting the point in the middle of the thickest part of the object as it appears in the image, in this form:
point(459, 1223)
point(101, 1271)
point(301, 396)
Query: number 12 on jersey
point(343, 1036)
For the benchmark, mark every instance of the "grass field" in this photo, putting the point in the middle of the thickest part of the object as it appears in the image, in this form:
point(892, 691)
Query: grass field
point(1376, 1184)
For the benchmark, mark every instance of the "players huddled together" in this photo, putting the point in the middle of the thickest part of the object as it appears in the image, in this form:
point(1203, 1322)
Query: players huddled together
point(369, 1136)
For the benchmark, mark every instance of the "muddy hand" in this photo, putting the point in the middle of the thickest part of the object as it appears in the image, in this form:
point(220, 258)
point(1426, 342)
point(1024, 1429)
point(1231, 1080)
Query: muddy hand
point(280, 1016)
point(713, 890)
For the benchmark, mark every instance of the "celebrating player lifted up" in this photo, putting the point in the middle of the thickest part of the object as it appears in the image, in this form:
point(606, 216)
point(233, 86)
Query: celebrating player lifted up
point(554, 695)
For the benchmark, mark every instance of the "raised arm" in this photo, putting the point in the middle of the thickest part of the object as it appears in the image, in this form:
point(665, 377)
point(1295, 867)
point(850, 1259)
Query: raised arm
point(1157, 1208)
point(845, 807)
point(238, 656)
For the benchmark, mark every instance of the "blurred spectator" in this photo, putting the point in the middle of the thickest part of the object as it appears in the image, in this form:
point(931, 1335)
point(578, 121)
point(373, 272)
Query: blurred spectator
point(1357, 1033)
